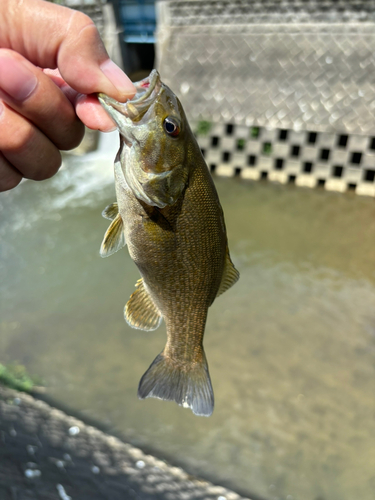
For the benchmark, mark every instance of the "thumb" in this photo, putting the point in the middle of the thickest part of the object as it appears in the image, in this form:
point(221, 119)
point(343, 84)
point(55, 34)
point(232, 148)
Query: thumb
point(52, 36)
point(84, 63)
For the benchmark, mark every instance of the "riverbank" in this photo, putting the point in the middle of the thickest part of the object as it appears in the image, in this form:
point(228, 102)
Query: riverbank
point(47, 454)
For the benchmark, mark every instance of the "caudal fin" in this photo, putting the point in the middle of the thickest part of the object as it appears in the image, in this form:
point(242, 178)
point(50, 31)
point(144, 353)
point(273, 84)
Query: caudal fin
point(188, 385)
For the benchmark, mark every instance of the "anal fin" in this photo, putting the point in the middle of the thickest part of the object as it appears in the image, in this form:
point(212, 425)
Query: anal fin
point(114, 238)
point(140, 311)
point(230, 275)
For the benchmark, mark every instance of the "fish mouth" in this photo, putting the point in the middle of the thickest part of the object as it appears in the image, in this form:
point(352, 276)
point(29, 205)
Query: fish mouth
point(146, 87)
point(135, 108)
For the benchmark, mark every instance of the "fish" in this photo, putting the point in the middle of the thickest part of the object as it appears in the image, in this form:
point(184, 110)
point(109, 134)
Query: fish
point(169, 215)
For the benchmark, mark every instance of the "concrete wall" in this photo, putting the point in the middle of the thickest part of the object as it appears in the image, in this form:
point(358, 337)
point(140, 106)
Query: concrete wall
point(294, 66)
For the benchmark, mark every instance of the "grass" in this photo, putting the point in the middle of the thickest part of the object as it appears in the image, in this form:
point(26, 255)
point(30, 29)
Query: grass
point(240, 144)
point(15, 377)
point(254, 132)
point(267, 148)
point(203, 127)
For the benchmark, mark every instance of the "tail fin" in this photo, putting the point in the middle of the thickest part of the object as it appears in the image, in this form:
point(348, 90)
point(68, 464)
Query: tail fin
point(188, 385)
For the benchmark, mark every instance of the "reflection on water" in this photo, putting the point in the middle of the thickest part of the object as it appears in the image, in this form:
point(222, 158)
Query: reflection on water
point(291, 347)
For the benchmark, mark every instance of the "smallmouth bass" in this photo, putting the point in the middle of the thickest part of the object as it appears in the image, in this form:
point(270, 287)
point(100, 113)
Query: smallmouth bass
point(169, 215)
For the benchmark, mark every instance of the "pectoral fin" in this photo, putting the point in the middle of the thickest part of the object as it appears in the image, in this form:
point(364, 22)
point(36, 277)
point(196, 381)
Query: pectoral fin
point(114, 238)
point(230, 275)
point(140, 311)
point(111, 211)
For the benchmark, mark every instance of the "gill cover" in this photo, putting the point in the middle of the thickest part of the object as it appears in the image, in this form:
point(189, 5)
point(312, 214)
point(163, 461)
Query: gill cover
point(157, 190)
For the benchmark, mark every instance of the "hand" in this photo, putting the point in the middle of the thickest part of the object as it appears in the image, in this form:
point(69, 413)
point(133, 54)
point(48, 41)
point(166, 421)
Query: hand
point(51, 60)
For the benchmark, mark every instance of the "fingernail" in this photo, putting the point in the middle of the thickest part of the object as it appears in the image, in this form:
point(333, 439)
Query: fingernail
point(118, 78)
point(110, 129)
point(107, 131)
point(16, 79)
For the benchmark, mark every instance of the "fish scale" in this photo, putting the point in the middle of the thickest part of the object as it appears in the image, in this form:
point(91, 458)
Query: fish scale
point(168, 213)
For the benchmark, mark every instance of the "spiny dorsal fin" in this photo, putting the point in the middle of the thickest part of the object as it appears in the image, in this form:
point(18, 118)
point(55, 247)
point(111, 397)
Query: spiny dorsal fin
point(114, 238)
point(111, 211)
point(230, 275)
point(140, 312)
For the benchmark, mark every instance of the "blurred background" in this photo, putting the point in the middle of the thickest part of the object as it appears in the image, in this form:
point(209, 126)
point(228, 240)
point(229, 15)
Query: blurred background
point(281, 97)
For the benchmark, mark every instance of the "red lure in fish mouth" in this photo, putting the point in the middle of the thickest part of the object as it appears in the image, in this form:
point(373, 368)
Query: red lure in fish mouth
point(147, 87)
point(147, 91)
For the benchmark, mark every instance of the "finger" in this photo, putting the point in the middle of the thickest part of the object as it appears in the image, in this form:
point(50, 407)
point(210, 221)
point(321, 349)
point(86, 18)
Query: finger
point(34, 95)
point(88, 108)
point(25, 147)
point(55, 76)
point(9, 176)
point(66, 39)
point(93, 115)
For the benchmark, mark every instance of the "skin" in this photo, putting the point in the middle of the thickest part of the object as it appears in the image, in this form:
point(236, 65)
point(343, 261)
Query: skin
point(51, 62)
point(175, 233)
point(180, 252)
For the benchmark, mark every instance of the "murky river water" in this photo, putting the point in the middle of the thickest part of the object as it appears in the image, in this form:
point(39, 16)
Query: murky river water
point(291, 348)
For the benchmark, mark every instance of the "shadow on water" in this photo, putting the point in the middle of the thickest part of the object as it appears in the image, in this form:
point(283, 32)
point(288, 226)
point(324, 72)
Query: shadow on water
point(291, 347)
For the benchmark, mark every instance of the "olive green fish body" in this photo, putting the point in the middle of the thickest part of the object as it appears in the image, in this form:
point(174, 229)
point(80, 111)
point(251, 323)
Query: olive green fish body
point(174, 227)
point(187, 243)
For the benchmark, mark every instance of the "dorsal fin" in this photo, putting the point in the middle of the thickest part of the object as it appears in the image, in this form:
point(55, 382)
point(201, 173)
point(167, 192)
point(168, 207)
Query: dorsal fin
point(111, 211)
point(114, 238)
point(230, 275)
point(140, 311)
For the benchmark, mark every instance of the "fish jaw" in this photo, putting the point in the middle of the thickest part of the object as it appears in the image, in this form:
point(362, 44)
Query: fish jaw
point(125, 115)
point(115, 109)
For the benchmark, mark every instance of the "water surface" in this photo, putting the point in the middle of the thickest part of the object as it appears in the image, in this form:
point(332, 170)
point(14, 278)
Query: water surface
point(291, 347)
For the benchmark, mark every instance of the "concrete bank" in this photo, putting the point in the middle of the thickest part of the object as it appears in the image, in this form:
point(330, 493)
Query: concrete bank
point(48, 455)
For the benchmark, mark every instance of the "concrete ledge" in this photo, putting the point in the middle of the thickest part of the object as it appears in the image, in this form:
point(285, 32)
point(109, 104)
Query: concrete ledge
point(336, 185)
point(45, 453)
point(306, 181)
point(365, 189)
point(276, 176)
point(225, 170)
point(250, 173)
point(338, 162)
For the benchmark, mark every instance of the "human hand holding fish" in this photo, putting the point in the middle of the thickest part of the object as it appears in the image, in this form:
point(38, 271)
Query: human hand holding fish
point(167, 211)
point(52, 61)
point(169, 215)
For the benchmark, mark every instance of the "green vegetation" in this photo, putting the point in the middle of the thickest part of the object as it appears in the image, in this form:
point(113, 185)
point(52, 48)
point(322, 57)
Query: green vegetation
point(203, 127)
point(240, 144)
point(254, 132)
point(267, 148)
point(15, 376)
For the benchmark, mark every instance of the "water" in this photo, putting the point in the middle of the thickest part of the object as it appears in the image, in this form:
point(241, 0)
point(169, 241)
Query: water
point(291, 347)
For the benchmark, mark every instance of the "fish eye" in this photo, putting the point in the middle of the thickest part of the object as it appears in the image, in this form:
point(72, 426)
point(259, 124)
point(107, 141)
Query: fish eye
point(171, 126)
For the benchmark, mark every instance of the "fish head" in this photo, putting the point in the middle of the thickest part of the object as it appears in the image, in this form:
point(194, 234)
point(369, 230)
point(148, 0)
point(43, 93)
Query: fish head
point(154, 135)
